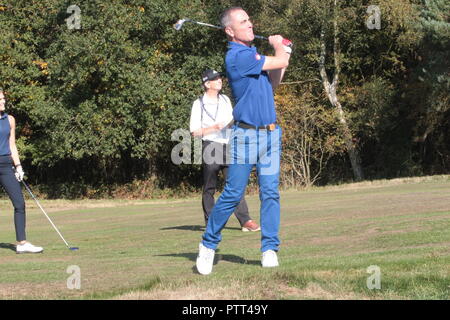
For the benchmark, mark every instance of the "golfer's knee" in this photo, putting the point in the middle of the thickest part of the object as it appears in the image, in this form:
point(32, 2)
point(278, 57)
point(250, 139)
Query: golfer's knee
point(19, 205)
point(209, 191)
point(19, 209)
point(269, 194)
point(233, 194)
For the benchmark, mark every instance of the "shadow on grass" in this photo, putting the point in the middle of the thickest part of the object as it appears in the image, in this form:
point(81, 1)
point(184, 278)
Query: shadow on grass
point(225, 257)
point(193, 228)
point(9, 246)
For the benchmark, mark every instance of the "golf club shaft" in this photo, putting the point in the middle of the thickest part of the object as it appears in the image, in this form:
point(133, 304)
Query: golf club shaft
point(48, 218)
point(205, 24)
point(180, 23)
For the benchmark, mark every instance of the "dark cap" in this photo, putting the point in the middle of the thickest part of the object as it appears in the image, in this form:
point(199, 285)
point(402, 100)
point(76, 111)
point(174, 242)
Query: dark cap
point(210, 74)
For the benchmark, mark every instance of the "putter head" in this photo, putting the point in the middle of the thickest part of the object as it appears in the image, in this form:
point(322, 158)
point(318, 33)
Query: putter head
point(74, 248)
point(179, 24)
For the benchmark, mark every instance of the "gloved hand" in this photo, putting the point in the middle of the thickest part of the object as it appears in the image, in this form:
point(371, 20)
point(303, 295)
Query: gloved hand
point(19, 173)
point(287, 45)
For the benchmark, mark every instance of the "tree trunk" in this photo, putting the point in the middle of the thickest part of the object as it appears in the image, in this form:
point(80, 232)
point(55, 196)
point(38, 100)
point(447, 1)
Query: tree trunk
point(331, 89)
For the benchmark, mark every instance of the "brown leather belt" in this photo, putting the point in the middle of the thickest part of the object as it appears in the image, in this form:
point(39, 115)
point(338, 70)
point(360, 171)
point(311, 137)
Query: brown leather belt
point(244, 125)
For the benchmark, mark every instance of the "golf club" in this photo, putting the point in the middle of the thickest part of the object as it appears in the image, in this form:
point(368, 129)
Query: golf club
point(39, 205)
point(179, 24)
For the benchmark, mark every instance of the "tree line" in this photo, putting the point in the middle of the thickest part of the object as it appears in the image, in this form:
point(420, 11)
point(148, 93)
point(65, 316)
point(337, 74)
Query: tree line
point(97, 88)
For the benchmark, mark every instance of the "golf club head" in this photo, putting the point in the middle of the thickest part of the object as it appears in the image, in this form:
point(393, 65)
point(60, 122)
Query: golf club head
point(179, 24)
point(74, 248)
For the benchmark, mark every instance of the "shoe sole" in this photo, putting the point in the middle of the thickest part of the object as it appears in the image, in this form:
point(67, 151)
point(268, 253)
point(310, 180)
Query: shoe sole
point(252, 230)
point(28, 252)
point(270, 266)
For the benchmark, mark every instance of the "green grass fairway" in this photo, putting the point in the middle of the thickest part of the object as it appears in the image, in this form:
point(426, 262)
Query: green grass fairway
point(330, 237)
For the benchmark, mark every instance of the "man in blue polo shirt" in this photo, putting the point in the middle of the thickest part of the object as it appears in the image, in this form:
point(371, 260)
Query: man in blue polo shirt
point(255, 138)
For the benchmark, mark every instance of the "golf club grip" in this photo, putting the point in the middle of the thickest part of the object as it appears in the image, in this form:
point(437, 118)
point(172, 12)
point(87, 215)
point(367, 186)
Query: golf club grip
point(261, 37)
point(286, 42)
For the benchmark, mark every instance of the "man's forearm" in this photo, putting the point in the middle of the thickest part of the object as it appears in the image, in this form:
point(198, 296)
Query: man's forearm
point(206, 131)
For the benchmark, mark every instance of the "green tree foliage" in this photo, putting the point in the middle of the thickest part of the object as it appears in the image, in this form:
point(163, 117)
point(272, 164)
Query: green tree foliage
point(96, 106)
point(432, 128)
point(103, 99)
point(311, 136)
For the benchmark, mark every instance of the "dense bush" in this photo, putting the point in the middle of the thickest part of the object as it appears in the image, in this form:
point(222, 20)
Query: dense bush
point(96, 106)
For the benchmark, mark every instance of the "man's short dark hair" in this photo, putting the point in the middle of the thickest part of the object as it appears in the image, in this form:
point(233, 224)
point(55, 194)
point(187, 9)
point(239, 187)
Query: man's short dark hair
point(225, 16)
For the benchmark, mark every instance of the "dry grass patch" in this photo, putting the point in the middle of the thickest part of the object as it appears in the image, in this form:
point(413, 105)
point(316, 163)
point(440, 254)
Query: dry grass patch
point(26, 290)
point(241, 290)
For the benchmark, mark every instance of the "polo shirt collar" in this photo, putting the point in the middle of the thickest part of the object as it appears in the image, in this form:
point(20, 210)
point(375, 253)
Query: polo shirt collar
point(232, 44)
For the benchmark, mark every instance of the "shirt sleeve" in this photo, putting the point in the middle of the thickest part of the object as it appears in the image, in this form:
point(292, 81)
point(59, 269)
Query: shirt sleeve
point(249, 62)
point(195, 121)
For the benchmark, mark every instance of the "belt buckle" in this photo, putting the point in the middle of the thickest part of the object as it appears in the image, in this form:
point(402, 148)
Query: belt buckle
point(271, 127)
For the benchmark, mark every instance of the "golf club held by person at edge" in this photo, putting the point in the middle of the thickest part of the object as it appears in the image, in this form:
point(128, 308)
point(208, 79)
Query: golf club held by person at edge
point(11, 173)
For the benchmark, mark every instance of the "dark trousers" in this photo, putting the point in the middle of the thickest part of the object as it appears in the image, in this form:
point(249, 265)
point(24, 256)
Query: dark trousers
point(214, 161)
point(12, 187)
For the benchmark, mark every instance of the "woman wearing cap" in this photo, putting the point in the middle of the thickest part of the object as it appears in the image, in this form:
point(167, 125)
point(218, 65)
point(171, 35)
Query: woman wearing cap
point(9, 157)
point(210, 116)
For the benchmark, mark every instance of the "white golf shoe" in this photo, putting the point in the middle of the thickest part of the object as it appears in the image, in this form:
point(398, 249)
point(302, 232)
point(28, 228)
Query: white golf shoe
point(28, 248)
point(205, 259)
point(269, 259)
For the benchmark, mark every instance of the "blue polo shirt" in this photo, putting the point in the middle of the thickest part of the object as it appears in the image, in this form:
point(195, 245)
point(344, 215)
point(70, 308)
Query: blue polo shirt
point(250, 85)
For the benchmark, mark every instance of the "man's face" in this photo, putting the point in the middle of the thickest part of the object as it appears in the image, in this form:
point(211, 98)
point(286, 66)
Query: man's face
point(2, 101)
point(240, 28)
point(215, 84)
